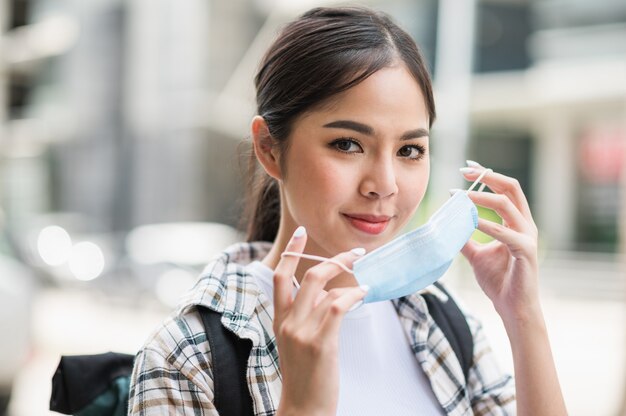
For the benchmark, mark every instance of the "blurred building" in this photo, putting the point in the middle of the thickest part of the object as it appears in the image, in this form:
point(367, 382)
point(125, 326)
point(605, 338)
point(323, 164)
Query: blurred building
point(107, 112)
point(549, 105)
point(120, 113)
point(132, 112)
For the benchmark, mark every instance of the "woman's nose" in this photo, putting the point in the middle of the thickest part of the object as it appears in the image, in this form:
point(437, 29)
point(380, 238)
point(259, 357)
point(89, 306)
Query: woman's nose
point(379, 180)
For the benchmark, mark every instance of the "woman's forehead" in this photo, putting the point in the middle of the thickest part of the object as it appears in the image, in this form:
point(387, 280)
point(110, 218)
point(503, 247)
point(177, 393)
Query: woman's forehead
point(387, 95)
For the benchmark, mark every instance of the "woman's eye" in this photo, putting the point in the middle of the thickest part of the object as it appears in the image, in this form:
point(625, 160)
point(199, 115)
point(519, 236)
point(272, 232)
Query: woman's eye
point(412, 152)
point(346, 145)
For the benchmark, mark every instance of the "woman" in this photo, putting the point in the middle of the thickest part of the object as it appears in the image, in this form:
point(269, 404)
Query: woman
point(345, 106)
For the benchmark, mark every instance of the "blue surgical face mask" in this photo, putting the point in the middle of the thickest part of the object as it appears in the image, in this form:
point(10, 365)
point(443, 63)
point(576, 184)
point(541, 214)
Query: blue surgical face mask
point(418, 258)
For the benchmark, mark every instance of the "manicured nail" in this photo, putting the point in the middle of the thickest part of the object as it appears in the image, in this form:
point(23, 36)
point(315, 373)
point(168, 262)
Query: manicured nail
point(364, 288)
point(454, 191)
point(473, 164)
point(467, 170)
point(300, 231)
point(359, 251)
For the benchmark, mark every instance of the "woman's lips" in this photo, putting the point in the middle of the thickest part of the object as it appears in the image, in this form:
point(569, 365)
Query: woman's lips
point(371, 224)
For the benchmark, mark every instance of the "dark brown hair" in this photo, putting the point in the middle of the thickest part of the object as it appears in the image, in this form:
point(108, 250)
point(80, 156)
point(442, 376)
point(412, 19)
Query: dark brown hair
point(322, 53)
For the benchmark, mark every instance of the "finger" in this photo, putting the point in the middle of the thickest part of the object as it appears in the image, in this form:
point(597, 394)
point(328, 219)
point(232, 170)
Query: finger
point(322, 305)
point(504, 207)
point(473, 248)
point(470, 249)
point(316, 278)
point(337, 309)
point(501, 184)
point(520, 245)
point(283, 285)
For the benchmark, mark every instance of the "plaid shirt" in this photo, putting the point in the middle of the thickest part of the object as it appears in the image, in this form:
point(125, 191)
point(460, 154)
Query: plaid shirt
point(173, 375)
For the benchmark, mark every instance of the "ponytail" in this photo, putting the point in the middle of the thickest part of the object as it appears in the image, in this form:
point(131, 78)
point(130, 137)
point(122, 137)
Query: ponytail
point(262, 212)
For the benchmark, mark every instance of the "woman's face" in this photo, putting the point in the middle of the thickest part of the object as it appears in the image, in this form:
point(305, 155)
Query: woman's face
point(357, 169)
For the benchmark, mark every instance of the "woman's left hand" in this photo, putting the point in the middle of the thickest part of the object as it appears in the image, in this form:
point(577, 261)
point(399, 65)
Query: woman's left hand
point(506, 268)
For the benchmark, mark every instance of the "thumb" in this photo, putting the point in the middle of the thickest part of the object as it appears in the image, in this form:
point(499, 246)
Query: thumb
point(469, 250)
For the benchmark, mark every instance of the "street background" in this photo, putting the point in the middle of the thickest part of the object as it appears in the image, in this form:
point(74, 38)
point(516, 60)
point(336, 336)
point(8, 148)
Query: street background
point(121, 165)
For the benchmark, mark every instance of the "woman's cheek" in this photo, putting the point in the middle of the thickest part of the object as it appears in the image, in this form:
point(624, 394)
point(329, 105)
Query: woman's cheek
point(412, 196)
point(334, 178)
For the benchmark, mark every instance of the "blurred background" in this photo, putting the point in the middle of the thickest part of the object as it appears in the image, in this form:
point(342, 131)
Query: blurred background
point(122, 165)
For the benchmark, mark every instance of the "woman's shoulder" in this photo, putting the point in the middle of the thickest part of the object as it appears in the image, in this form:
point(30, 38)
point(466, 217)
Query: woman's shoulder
point(226, 285)
point(179, 338)
point(223, 287)
point(176, 354)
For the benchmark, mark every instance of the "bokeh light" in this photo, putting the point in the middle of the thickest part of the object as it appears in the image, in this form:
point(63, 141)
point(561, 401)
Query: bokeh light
point(86, 261)
point(54, 245)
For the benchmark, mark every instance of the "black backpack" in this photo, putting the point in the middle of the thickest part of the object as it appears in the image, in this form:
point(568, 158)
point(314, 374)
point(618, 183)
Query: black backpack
point(98, 385)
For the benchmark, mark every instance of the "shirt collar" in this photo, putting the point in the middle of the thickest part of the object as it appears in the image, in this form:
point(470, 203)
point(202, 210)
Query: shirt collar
point(227, 288)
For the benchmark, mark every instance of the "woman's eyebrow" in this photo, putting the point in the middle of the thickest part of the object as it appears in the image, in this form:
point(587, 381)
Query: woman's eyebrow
point(415, 134)
point(369, 131)
point(351, 125)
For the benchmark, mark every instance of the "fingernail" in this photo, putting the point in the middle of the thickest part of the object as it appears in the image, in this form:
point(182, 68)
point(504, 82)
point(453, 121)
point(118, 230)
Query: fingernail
point(467, 170)
point(359, 251)
point(300, 231)
point(453, 191)
point(364, 288)
point(473, 164)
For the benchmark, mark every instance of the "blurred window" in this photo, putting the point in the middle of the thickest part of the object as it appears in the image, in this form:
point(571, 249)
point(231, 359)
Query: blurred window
point(601, 159)
point(505, 150)
point(502, 29)
point(561, 14)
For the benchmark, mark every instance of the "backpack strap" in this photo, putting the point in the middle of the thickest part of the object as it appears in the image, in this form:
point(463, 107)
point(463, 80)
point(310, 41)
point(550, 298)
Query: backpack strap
point(453, 324)
point(230, 362)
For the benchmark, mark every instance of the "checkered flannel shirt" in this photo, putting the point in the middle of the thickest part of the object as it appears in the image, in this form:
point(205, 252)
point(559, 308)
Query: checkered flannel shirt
point(173, 375)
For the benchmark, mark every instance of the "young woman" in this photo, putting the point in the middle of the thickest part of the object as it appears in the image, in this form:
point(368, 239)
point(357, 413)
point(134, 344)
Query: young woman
point(345, 106)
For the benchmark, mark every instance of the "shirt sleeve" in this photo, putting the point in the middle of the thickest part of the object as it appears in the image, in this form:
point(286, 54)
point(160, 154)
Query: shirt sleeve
point(176, 382)
point(491, 391)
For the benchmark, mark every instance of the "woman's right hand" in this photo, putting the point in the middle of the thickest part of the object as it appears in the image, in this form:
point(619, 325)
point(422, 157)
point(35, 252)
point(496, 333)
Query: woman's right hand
point(307, 332)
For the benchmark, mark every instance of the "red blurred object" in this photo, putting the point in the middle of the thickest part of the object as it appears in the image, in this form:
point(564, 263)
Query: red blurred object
point(602, 154)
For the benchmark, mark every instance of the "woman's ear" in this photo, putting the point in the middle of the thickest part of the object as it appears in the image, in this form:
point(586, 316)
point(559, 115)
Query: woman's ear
point(265, 148)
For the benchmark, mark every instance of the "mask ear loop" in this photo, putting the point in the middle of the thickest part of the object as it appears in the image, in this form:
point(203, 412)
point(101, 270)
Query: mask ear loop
point(480, 177)
point(316, 258)
point(321, 259)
